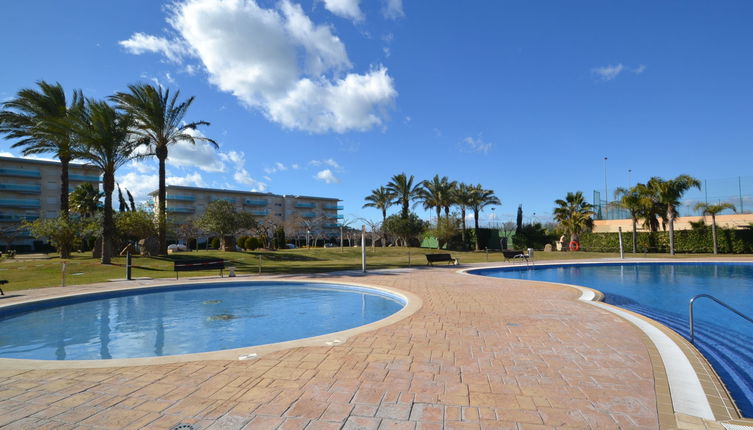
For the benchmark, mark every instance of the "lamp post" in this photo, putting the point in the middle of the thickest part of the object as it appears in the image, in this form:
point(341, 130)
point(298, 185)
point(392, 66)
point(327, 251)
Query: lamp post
point(308, 244)
point(630, 178)
point(606, 195)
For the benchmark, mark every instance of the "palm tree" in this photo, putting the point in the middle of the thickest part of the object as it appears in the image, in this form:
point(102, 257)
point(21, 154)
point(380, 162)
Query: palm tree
point(668, 193)
point(105, 139)
point(479, 199)
point(463, 199)
point(403, 192)
point(574, 214)
point(630, 199)
point(433, 194)
point(713, 210)
point(33, 117)
point(85, 199)
point(381, 199)
point(159, 117)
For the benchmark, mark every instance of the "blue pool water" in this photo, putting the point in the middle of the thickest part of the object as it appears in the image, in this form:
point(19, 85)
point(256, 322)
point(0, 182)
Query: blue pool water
point(183, 320)
point(661, 292)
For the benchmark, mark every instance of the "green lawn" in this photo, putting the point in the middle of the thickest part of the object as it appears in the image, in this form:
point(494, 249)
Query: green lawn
point(24, 273)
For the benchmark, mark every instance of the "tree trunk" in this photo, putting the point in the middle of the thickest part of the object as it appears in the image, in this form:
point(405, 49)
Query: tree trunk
point(671, 217)
point(107, 224)
point(462, 232)
point(475, 227)
point(713, 232)
point(161, 152)
point(635, 235)
point(439, 214)
point(65, 251)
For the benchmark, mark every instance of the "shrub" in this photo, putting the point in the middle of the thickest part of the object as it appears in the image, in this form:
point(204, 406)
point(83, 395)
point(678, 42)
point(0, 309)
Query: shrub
point(253, 243)
point(242, 242)
point(686, 241)
point(215, 243)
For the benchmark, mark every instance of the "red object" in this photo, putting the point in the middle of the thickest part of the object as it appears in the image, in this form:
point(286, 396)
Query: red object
point(574, 245)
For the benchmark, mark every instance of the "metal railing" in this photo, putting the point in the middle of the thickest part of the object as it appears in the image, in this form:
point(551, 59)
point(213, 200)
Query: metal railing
point(708, 296)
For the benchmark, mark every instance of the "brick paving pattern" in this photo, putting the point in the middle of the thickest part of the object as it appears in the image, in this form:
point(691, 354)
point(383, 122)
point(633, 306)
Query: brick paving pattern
point(481, 353)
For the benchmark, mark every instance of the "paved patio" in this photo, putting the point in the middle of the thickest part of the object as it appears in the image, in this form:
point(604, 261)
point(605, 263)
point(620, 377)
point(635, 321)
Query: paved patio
point(481, 353)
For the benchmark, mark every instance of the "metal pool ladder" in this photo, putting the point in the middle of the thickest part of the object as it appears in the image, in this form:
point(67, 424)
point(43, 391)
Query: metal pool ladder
point(690, 307)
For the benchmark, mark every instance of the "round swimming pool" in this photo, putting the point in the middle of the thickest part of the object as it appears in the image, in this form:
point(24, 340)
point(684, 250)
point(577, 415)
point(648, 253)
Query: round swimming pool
point(662, 291)
point(186, 319)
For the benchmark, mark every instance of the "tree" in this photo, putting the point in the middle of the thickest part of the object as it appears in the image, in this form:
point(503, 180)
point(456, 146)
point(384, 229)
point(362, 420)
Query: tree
point(437, 194)
point(104, 139)
point(130, 199)
point(135, 225)
point(159, 119)
point(62, 232)
point(123, 205)
point(519, 218)
point(444, 230)
point(463, 194)
point(33, 117)
point(403, 191)
point(574, 214)
point(713, 210)
point(406, 228)
point(85, 199)
point(630, 199)
point(222, 218)
point(380, 198)
point(481, 198)
point(668, 193)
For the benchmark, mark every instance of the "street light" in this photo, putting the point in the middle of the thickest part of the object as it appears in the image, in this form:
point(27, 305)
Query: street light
point(630, 178)
point(606, 192)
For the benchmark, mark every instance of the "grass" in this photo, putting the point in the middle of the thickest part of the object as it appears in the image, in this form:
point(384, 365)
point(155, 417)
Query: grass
point(23, 273)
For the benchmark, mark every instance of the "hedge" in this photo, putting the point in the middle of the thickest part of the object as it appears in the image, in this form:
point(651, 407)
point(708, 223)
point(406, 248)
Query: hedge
point(686, 241)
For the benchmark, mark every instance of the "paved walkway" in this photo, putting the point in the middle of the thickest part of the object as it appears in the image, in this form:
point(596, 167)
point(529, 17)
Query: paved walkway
point(481, 353)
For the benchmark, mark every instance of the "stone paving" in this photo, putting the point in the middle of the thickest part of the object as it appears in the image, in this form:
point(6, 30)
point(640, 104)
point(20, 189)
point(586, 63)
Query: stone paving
point(481, 353)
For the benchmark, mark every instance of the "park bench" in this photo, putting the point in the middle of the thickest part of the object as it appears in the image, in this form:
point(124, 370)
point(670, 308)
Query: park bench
point(438, 258)
point(2, 282)
point(511, 253)
point(198, 264)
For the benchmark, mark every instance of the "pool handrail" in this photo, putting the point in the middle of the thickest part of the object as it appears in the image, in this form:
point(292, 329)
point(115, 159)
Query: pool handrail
point(708, 296)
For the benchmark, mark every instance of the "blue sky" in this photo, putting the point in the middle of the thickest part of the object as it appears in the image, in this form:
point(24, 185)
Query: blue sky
point(333, 97)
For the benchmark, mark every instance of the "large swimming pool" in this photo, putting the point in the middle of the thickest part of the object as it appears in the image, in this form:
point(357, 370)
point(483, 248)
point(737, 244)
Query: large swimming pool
point(186, 319)
point(662, 291)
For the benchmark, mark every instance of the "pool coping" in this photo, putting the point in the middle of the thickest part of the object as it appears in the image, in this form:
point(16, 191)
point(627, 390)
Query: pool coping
point(412, 304)
point(685, 382)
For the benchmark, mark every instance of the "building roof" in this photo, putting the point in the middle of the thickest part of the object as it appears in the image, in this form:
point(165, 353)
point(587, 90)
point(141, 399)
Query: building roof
point(250, 193)
point(47, 162)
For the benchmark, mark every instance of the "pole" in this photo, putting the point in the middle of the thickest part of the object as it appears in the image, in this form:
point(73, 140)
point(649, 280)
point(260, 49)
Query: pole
point(62, 281)
point(341, 238)
point(128, 266)
point(622, 251)
point(630, 178)
point(363, 248)
point(740, 190)
point(606, 195)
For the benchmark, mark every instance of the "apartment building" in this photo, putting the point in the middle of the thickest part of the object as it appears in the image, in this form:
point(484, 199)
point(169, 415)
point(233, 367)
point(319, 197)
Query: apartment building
point(298, 214)
point(30, 189)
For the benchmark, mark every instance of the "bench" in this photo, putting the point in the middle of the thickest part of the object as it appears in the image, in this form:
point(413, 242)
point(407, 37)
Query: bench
point(512, 253)
point(438, 258)
point(2, 282)
point(198, 264)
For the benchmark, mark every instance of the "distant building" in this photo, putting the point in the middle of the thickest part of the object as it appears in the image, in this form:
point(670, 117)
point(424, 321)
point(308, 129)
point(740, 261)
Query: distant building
point(299, 215)
point(30, 189)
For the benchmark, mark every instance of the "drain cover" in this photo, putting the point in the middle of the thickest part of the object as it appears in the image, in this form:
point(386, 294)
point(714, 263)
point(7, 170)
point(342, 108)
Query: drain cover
point(182, 427)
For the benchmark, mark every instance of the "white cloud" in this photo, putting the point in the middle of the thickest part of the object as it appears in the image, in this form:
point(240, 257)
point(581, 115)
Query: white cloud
point(640, 69)
point(6, 154)
point(470, 144)
point(327, 176)
point(295, 166)
point(278, 167)
point(140, 185)
point(277, 61)
point(608, 73)
point(328, 162)
point(242, 176)
point(348, 9)
point(192, 180)
point(202, 155)
point(393, 9)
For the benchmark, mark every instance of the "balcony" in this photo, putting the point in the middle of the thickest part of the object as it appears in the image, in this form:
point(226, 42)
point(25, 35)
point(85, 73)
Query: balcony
point(21, 188)
point(305, 205)
point(263, 212)
point(330, 216)
point(332, 225)
point(308, 214)
point(336, 207)
point(181, 210)
point(21, 173)
point(17, 218)
point(17, 203)
point(251, 202)
point(84, 178)
point(227, 199)
point(181, 197)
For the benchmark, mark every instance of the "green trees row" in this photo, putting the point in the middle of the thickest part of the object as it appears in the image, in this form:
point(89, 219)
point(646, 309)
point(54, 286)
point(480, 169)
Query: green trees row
point(103, 133)
point(439, 194)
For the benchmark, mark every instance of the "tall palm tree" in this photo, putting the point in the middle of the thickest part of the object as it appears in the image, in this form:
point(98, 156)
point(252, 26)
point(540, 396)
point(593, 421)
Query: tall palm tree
point(403, 192)
point(668, 193)
point(380, 198)
point(159, 117)
point(433, 194)
point(630, 199)
point(574, 214)
point(85, 199)
point(713, 210)
point(480, 198)
point(104, 139)
point(33, 117)
point(463, 194)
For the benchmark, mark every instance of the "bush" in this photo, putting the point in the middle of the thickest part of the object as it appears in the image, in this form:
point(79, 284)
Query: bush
point(215, 243)
point(686, 241)
point(242, 242)
point(253, 243)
